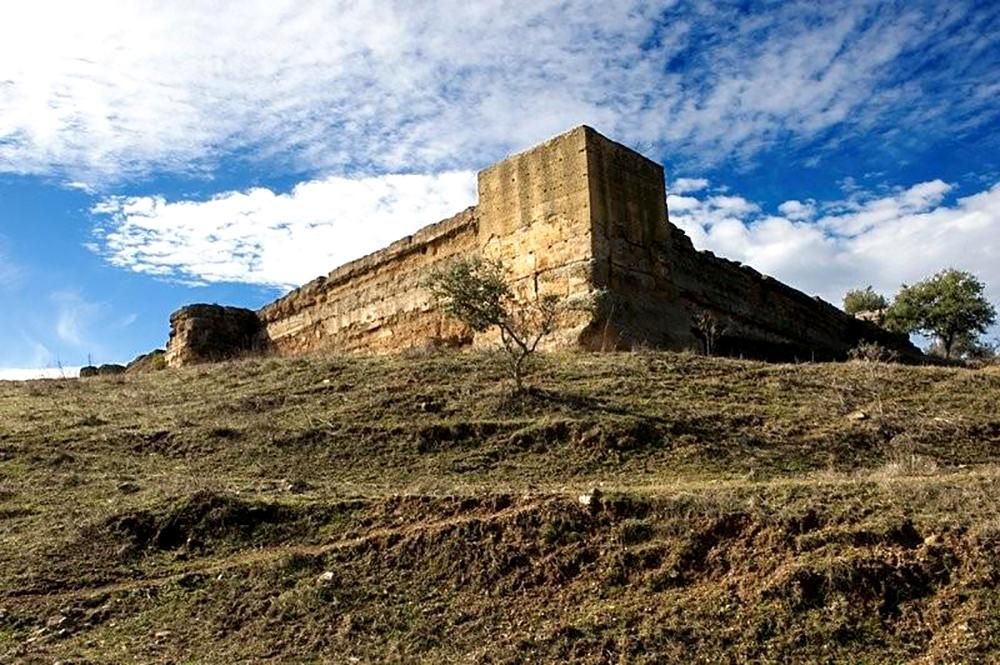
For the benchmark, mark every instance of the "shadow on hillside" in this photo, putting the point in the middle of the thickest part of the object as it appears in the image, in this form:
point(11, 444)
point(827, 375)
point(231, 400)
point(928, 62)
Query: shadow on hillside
point(542, 398)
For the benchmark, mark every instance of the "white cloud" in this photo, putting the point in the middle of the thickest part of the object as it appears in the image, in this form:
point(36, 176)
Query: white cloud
point(262, 237)
point(17, 374)
point(680, 204)
point(862, 212)
point(732, 205)
point(687, 185)
point(110, 90)
point(797, 210)
point(883, 241)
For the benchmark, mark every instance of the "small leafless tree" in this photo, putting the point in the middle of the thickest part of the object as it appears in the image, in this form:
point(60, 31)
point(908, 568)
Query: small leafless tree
point(477, 292)
point(710, 328)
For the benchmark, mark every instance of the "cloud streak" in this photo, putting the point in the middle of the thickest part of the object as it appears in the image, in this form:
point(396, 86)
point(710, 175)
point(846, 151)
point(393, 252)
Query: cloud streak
point(11, 273)
point(107, 91)
point(74, 316)
point(18, 374)
point(258, 236)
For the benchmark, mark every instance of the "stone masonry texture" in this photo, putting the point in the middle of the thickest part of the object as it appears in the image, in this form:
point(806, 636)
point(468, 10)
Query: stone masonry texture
point(206, 333)
point(580, 217)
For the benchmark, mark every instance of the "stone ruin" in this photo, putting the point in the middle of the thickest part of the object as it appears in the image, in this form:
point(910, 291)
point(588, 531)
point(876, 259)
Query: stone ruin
point(580, 217)
point(206, 333)
point(90, 371)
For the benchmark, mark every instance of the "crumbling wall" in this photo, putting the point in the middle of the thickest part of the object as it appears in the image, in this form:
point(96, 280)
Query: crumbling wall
point(631, 250)
point(377, 303)
point(580, 217)
point(533, 215)
point(206, 333)
point(655, 285)
point(764, 318)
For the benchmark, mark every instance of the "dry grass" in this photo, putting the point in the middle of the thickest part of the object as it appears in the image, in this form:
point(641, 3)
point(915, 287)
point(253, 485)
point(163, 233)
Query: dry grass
point(749, 514)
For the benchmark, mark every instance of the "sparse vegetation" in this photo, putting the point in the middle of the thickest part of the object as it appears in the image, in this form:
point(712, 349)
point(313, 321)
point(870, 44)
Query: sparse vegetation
point(872, 352)
point(861, 394)
point(477, 292)
point(709, 328)
point(394, 509)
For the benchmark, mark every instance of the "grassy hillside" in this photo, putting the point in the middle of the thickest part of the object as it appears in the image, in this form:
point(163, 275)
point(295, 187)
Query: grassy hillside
point(408, 509)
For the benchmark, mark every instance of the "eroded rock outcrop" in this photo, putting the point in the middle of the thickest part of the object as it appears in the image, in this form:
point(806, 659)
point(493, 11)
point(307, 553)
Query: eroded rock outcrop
point(148, 362)
point(109, 369)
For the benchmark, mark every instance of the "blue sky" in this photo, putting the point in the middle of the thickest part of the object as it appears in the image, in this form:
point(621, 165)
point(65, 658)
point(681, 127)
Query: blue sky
point(154, 154)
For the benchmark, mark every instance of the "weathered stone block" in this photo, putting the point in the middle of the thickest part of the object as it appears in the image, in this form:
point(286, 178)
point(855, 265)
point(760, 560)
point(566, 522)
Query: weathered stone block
point(205, 333)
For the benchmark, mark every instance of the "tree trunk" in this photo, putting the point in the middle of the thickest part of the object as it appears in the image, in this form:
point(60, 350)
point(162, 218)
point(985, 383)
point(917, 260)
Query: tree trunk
point(949, 341)
point(518, 382)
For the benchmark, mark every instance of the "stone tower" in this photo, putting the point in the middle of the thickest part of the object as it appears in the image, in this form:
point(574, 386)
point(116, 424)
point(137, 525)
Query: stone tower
point(579, 215)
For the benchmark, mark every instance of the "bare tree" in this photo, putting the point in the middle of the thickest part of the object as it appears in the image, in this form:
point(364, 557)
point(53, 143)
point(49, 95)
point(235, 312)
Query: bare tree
point(710, 328)
point(873, 359)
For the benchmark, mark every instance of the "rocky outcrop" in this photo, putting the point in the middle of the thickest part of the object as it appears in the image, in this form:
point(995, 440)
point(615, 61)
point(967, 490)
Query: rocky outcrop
point(148, 362)
point(206, 333)
point(104, 370)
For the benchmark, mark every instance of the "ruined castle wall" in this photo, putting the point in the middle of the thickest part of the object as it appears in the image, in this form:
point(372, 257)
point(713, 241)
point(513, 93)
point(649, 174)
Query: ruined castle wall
point(766, 318)
point(657, 283)
point(580, 217)
point(534, 216)
point(631, 248)
point(377, 303)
